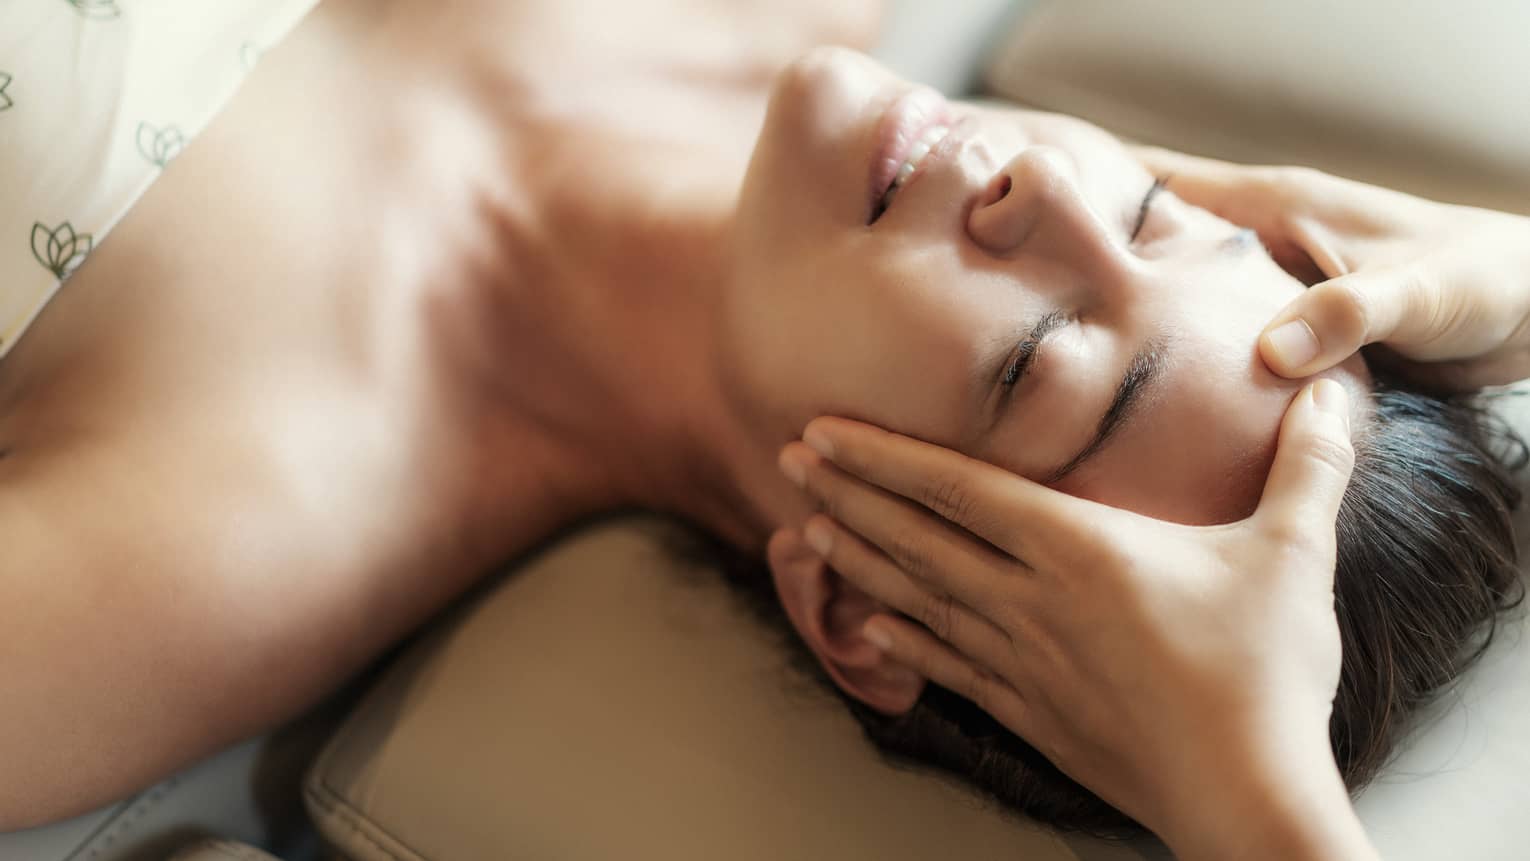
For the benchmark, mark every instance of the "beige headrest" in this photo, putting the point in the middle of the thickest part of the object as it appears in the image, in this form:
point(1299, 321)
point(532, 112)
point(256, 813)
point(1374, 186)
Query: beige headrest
point(1425, 97)
point(220, 850)
point(604, 702)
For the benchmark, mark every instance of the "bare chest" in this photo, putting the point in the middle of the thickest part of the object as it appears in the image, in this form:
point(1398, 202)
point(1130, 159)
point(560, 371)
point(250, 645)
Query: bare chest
point(270, 336)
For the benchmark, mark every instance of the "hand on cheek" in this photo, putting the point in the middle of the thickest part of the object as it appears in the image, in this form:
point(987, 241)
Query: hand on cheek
point(1135, 654)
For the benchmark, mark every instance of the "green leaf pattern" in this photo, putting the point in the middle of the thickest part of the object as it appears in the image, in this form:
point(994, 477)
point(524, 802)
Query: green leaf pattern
point(159, 146)
point(98, 9)
point(60, 250)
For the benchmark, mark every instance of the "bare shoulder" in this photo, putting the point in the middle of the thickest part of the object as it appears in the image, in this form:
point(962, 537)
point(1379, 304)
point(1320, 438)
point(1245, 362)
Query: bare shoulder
point(214, 501)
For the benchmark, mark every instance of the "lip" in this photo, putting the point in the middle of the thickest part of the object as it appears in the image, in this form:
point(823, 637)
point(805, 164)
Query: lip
point(897, 131)
point(961, 129)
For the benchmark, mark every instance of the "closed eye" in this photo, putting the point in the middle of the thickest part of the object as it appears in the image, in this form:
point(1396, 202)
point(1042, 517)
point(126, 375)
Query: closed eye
point(1147, 204)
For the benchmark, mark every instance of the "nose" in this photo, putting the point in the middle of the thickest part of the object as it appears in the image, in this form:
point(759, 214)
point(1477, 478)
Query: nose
point(1035, 201)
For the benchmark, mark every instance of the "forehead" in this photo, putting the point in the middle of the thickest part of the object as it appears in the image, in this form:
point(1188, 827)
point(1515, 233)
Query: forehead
point(1199, 453)
point(1199, 450)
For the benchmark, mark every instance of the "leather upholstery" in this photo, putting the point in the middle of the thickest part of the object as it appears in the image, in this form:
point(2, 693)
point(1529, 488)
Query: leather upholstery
point(1423, 97)
point(602, 702)
point(221, 850)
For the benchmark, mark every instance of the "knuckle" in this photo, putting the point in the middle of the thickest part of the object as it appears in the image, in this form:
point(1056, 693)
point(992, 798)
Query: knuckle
point(1348, 308)
point(1267, 178)
point(1289, 541)
point(980, 688)
point(1334, 453)
point(1428, 303)
point(1300, 181)
point(828, 501)
point(1301, 191)
point(938, 614)
point(911, 552)
point(1099, 554)
point(827, 490)
point(951, 497)
point(925, 663)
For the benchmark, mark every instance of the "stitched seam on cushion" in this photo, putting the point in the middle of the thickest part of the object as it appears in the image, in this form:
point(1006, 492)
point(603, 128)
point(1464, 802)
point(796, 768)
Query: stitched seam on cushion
point(125, 820)
point(359, 824)
point(337, 805)
point(239, 851)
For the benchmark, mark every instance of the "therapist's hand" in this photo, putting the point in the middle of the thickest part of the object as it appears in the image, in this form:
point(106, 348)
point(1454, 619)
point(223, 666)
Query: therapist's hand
point(1184, 674)
point(1446, 288)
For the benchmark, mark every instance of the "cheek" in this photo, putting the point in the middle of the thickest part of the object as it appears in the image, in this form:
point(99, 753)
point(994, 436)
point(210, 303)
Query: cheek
point(793, 350)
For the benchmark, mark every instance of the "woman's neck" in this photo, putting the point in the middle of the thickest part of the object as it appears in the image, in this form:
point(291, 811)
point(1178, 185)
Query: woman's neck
point(614, 250)
point(593, 288)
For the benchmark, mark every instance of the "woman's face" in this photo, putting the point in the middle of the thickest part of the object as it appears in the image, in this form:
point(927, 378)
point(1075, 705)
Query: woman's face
point(1019, 247)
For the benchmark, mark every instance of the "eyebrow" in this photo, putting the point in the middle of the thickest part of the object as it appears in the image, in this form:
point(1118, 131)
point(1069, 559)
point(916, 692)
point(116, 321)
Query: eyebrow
point(1142, 373)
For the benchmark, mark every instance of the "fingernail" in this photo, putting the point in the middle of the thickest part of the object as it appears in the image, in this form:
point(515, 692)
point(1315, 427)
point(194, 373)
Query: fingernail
point(792, 467)
point(820, 443)
point(876, 636)
point(818, 537)
point(1331, 397)
point(1293, 343)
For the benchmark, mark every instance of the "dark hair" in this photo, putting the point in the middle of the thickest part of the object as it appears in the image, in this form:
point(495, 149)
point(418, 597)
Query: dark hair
point(1426, 563)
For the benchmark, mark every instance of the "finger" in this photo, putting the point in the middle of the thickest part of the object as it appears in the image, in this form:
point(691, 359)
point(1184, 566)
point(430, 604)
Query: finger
point(1211, 174)
point(947, 617)
point(1244, 194)
point(1313, 460)
point(938, 662)
point(927, 548)
point(1263, 194)
point(1329, 322)
point(1303, 216)
point(1253, 197)
point(1008, 511)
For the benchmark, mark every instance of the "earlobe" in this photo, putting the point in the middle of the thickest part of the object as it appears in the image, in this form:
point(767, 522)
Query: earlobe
point(828, 611)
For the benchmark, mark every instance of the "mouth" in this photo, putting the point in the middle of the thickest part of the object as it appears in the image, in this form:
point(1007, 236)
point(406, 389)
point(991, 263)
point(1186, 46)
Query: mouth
point(910, 129)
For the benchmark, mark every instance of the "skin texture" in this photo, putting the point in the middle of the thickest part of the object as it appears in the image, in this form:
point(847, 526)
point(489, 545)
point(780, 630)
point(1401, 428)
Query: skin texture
point(888, 323)
point(314, 386)
point(1034, 621)
point(1014, 216)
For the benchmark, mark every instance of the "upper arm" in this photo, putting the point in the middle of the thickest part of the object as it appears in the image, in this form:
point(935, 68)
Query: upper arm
point(124, 643)
point(161, 598)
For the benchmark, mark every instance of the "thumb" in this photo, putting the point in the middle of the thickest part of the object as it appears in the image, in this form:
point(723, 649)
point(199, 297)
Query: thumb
point(1313, 461)
point(1332, 320)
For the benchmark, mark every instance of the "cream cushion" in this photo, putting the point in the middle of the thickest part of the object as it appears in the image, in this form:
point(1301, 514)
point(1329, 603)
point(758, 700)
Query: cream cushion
point(1425, 97)
point(221, 850)
point(603, 701)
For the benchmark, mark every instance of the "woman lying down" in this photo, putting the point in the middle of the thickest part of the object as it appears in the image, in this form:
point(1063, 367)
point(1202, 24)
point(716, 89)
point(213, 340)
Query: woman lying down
point(442, 279)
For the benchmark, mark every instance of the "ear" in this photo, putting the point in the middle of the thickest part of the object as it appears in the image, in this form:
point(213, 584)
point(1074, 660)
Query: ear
point(828, 611)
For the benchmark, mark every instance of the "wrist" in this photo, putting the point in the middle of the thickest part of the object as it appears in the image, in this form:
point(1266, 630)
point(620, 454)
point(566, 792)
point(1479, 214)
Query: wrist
point(1291, 808)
